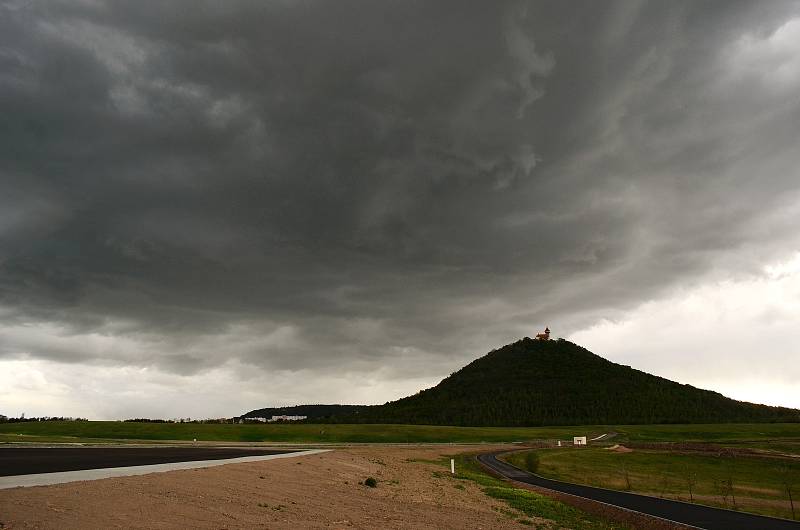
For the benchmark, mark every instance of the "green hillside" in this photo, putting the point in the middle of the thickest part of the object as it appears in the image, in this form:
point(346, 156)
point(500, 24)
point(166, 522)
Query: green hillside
point(533, 382)
point(312, 412)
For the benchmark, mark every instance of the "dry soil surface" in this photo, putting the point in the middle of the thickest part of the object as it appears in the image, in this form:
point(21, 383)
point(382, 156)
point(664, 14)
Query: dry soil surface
point(316, 491)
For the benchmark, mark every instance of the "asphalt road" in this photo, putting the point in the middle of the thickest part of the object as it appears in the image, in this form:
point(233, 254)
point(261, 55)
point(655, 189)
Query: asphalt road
point(27, 460)
point(682, 512)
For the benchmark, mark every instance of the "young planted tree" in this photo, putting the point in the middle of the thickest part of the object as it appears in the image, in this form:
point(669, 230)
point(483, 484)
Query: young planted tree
point(664, 482)
point(788, 478)
point(724, 487)
point(532, 462)
point(729, 483)
point(626, 475)
point(690, 478)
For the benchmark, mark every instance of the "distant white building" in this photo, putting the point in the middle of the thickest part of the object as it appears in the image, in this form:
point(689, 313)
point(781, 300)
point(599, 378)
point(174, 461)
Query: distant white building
point(579, 440)
point(287, 418)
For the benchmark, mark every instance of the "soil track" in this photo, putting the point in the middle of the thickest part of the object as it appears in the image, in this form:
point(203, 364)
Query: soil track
point(28, 460)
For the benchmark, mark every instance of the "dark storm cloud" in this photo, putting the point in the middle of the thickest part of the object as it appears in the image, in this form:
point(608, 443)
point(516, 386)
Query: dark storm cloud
point(353, 184)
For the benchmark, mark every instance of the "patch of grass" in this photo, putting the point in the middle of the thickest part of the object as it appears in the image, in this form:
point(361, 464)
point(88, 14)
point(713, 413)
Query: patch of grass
point(527, 502)
point(535, 505)
point(371, 482)
point(467, 468)
point(748, 483)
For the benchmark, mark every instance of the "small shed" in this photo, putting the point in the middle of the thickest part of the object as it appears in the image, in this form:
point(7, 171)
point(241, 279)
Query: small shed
point(579, 440)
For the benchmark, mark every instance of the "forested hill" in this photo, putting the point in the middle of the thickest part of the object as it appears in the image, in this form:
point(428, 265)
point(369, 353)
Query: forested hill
point(313, 412)
point(556, 382)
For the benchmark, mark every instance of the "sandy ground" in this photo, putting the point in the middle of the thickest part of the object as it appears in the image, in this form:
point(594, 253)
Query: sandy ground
point(317, 491)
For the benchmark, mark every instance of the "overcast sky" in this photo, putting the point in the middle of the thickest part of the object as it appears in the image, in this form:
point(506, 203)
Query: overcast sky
point(210, 207)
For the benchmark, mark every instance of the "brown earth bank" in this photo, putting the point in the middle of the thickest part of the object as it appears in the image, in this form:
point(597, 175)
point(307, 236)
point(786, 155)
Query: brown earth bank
point(704, 447)
point(315, 491)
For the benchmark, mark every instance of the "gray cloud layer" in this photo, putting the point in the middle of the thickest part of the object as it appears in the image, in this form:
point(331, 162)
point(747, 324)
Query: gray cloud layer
point(355, 185)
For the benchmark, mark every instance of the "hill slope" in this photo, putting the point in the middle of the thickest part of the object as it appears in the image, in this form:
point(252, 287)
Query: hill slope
point(532, 382)
point(313, 412)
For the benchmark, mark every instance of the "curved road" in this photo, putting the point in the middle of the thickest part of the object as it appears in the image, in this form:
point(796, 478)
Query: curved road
point(689, 514)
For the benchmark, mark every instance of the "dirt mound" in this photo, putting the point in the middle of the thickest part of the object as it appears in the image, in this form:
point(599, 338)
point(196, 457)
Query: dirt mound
point(620, 449)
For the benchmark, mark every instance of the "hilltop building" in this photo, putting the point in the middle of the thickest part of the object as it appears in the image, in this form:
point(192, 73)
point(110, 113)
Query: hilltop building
point(543, 336)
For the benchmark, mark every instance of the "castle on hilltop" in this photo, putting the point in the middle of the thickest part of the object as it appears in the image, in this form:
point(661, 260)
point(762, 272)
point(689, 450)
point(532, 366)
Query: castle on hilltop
point(543, 336)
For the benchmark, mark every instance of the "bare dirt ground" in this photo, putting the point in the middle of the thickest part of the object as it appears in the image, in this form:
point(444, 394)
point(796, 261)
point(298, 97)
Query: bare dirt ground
point(317, 491)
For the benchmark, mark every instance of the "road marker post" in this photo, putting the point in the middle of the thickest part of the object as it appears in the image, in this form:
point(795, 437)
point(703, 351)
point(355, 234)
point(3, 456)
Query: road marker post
point(452, 466)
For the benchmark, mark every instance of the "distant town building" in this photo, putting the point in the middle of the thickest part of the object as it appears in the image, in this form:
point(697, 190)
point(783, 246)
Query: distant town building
point(287, 418)
point(579, 440)
point(262, 419)
point(543, 336)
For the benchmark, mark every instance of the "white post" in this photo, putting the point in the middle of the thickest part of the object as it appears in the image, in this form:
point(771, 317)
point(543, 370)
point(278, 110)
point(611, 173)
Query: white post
point(452, 466)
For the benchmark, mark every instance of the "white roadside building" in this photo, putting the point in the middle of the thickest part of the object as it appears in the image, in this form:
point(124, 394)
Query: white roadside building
point(287, 418)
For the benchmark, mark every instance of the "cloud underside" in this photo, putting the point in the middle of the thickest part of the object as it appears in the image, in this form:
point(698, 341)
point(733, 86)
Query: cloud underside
point(378, 186)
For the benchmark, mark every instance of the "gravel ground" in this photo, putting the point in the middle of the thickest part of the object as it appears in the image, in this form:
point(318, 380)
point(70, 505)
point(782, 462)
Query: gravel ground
point(316, 491)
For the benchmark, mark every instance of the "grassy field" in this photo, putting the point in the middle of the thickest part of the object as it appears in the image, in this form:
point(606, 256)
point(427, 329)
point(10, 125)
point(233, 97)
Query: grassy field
point(285, 433)
point(787, 435)
point(720, 433)
point(750, 483)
